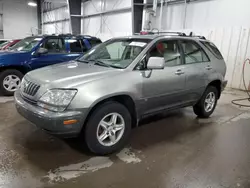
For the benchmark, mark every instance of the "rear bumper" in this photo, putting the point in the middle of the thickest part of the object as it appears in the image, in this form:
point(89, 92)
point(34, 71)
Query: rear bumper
point(51, 122)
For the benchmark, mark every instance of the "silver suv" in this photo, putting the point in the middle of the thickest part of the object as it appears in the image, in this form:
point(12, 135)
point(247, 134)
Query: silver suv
point(103, 94)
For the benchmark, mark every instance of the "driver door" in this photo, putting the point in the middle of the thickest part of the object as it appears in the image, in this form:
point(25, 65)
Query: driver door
point(163, 89)
point(56, 53)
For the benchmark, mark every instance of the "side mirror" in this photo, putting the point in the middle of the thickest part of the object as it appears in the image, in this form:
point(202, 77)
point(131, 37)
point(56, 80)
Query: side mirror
point(41, 51)
point(156, 63)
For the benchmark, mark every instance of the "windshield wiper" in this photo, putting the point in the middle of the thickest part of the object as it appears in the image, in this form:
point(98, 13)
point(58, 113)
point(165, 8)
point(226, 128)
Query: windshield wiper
point(97, 62)
point(107, 65)
point(82, 61)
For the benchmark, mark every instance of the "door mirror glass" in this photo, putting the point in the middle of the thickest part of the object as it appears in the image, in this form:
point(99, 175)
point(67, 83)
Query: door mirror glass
point(41, 51)
point(156, 63)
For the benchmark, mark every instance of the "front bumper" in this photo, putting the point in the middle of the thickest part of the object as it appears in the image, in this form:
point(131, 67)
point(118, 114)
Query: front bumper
point(49, 121)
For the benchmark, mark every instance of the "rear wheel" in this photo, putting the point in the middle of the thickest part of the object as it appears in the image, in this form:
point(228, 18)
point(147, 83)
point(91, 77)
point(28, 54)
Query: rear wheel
point(108, 128)
point(206, 105)
point(10, 81)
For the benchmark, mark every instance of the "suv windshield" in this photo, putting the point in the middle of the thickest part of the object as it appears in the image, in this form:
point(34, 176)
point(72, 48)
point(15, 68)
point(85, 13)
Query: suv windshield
point(26, 44)
point(117, 53)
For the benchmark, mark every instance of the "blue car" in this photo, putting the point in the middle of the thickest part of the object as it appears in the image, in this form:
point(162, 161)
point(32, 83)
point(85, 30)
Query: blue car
point(36, 52)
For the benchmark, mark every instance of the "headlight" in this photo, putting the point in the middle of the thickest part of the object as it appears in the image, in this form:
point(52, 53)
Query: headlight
point(57, 99)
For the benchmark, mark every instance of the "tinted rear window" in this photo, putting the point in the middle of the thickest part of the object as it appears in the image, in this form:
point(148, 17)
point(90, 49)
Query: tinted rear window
point(94, 42)
point(212, 48)
point(75, 45)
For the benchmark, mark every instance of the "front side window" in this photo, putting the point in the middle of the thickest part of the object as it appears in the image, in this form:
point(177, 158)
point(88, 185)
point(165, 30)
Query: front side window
point(26, 44)
point(169, 50)
point(54, 45)
point(193, 53)
point(118, 53)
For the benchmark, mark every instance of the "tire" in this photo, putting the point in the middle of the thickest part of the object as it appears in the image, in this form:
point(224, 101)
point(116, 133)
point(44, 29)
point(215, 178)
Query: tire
point(200, 108)
point(15, 74)
point(93, 127)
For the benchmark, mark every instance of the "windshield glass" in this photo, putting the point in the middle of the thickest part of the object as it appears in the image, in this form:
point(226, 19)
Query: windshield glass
point(26, 44)
point(118, 53)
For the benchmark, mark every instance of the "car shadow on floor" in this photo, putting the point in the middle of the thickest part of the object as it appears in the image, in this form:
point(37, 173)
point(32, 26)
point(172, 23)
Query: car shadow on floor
point(165, 127)
point(49, 152)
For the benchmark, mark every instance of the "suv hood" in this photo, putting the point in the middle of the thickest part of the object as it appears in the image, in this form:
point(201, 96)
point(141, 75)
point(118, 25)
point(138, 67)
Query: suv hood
point(11, 55)
point(70, 74)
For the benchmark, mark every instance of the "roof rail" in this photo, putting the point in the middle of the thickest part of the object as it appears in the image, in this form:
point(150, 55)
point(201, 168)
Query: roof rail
point(67, 34)
point(169, 32)
point(197, 36)
point(157, 32)
point(162, 32)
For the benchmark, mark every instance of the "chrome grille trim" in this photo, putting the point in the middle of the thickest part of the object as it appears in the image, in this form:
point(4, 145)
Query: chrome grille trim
point(29, 88)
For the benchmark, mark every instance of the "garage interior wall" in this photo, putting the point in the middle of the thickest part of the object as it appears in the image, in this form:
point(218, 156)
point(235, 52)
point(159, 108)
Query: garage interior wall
point(225, 22)
point(55, 18)
point(1, 20)
point(107, 18)
point(24, 16)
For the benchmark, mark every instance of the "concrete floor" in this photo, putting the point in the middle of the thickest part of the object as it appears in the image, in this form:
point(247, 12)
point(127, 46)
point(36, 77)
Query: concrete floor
point(174, 150)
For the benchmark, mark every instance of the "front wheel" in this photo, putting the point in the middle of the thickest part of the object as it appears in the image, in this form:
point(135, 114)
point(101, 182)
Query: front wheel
point(206, 105)
point(10, 81)
point(108, 128)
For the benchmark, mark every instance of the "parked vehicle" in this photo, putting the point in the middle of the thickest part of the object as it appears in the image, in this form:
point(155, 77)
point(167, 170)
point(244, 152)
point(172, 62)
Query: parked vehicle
point(36, 52)
point(8, 44)
point(4, 40)
point(103, 94)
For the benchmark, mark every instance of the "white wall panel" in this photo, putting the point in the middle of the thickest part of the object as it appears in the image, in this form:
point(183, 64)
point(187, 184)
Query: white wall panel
point(24, 16)
point(117, 24)
point(107, 26)
point(61, 27)
point(117, 4)
point(205, 14)
point(57, 28)
point(57, 14)
point(91, 25)
point(92, 7)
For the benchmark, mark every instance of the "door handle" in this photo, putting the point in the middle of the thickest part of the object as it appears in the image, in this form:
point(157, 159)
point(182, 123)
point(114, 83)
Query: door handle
point(208, 67)
point(179, 72)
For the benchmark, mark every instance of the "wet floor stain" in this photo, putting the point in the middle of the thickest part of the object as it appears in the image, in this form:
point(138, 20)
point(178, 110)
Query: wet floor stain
point(75, 170)
point(128, 156)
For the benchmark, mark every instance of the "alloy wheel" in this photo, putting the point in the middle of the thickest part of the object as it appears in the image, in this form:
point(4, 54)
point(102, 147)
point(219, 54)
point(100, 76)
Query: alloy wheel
point(110, 129)
point(209, 102)
point(11, 83)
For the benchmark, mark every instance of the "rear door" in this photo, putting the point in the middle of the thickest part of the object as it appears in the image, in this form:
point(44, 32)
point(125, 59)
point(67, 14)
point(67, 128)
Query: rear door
point(94, 41)
point(197, 66)
point(56, 53)
point(85, 45)
point(76, 48)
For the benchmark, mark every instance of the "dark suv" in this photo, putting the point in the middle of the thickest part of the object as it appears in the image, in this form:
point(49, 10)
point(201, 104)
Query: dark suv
point(39, 51)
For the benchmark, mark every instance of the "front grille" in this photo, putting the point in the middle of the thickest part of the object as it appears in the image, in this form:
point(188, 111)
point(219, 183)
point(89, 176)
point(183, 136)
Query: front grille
point(29, 87)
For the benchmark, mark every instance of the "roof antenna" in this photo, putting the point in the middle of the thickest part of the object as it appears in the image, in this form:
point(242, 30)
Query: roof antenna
point(191, 34)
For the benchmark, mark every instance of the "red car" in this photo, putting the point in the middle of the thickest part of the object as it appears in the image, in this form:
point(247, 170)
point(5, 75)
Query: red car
point(8, 44)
